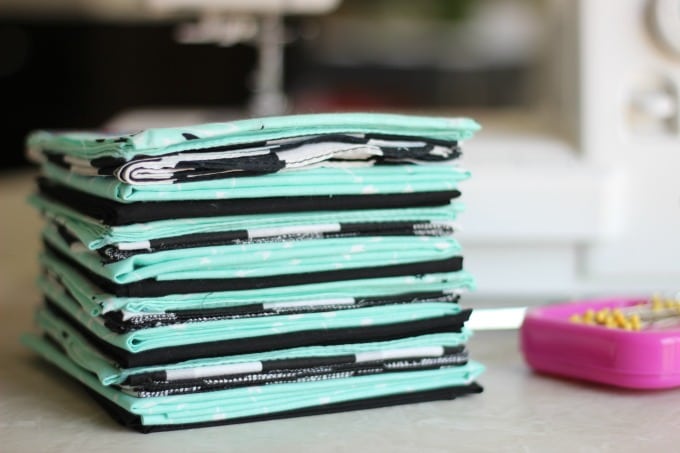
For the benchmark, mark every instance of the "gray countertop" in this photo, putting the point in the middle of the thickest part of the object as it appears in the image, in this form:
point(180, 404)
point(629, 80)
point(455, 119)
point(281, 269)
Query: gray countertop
point(42, 410)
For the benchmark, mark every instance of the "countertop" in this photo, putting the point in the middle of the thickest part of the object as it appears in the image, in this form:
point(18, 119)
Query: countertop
point(42, 410)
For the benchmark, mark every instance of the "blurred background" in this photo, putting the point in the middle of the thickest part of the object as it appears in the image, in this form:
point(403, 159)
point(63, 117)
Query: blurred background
point(575, 189)
point(77, 64)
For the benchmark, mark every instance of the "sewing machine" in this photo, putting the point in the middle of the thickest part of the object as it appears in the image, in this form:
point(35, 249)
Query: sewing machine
point(591, 202)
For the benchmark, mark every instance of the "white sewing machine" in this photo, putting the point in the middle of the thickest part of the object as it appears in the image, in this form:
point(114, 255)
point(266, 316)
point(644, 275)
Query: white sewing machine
point(594, 205)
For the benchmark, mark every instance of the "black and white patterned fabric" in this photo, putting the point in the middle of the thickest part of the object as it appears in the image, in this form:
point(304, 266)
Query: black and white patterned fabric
point(261, 158)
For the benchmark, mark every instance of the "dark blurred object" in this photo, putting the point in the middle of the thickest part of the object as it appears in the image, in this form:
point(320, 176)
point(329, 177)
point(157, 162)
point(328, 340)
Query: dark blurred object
point(324, 87)
point(431, 54)
point(75, 75)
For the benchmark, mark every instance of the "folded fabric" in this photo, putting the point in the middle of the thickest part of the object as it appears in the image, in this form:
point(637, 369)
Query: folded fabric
point(205, 242)
point(258, 259)
point(201, 331)
point(109, 372)
point(333, 150)
point(132, 421)
point(388, 179)
point(164, 234)
point(96, 301)
point(123, 321)
point(146, 347)
point(162, 141)
point(369, 230)
point(113, 213)
point(238, 403)
point(211, 243)
point(314, 373)
point(156, 287)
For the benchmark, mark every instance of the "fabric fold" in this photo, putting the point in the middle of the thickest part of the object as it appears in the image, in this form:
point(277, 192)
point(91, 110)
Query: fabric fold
point(388, 179)
point(96, 234)
point(113, 213)
point(159, 141)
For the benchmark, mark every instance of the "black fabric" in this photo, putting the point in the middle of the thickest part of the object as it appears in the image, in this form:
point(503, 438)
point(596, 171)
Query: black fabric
point(240, 166)
point(115, 322)
point(132, 421)
point(115, 213)
point(157, 288)
point(173, 354)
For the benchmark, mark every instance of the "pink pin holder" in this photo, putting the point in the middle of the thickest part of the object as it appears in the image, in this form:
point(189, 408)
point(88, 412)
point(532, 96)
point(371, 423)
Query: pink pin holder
point(630, 343)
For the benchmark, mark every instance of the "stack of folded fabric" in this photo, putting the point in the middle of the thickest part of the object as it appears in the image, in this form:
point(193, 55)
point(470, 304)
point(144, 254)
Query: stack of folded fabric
point(255, 269)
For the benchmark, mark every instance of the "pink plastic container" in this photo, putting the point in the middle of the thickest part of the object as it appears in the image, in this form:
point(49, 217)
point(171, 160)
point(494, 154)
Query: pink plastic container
point(647, 359)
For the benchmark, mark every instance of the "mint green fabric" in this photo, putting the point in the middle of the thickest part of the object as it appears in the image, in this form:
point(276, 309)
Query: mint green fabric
point(263, 259)
point(95, 234)
point(387, 179)
point(108, 372)
point(242, 402)
point(228, 329)
point(159, 141)
point(95, 301)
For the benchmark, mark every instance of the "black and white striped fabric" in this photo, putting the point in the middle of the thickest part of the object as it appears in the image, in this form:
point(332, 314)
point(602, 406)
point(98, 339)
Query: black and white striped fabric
point(120, 251)
point(193, 380)
point(123, 322)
